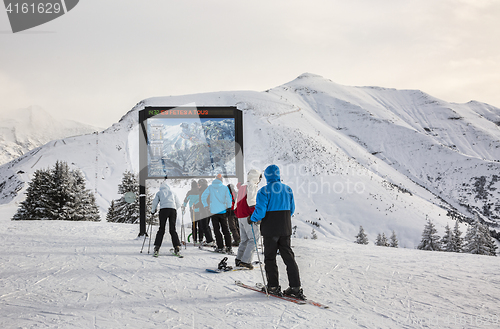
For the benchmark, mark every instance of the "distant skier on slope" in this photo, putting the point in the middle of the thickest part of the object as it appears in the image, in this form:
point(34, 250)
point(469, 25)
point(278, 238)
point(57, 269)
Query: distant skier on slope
point(169, 203)
point(275, 207)
point(243, 209)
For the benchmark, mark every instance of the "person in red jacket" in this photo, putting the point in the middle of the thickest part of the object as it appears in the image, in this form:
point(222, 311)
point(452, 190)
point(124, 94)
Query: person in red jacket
point(243, 209)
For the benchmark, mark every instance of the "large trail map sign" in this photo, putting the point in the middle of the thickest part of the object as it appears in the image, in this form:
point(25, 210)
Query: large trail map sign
point(188, 142)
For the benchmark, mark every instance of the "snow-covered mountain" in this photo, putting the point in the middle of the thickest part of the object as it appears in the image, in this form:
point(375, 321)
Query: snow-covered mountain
point(26, 129)
point(385, 159)
point(191, 149)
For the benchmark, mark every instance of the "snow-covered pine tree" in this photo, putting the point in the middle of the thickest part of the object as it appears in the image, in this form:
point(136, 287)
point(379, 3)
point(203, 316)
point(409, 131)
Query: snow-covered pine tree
point(61, 191)
point(80, 204)
point(125, 212)
point(394, 240)
point(150, 218)
point(58, 194)
point(85, 208)
point(430, 238)
point(382, 240)
point(37, 205)
point(447, 241)
point(110, 216)
point(490, 242)
point(478, 240)
point(361, 238)
point(458, 241)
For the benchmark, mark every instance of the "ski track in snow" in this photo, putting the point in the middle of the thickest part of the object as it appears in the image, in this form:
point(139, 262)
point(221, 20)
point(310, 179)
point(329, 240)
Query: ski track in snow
point(91, 275)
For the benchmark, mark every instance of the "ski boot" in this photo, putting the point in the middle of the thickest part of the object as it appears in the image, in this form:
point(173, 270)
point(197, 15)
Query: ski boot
point(273, 291)
point(295, 292)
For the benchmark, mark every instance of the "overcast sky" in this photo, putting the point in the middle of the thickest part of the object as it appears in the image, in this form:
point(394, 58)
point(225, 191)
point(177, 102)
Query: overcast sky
point(97, 61)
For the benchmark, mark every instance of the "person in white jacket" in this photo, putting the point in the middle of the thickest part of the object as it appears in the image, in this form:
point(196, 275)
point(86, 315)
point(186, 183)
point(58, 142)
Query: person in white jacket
point(169, 203)
point(243, 208)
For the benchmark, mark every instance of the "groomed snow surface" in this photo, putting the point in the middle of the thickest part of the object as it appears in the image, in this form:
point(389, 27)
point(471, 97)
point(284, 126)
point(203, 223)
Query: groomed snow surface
point(63, 274)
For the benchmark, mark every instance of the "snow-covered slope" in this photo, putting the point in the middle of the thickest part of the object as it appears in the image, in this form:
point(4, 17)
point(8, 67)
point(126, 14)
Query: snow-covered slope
point(91, 275)
point(382, 158)
point(26, 129)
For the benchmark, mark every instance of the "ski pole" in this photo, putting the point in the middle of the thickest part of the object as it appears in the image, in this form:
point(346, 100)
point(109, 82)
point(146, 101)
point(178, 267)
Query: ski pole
point(145, 236)
point(260, 263)
point(183, 231)
point(150, 233)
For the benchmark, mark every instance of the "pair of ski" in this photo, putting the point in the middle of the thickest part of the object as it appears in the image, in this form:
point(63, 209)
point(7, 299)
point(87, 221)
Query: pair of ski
point(212, 249)
point(259, 287)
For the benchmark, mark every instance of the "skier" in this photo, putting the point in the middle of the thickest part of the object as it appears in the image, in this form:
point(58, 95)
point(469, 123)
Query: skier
point(244, 208)
point(193, 198)
point(169, 203)
point(205, 216)
point(274, 208)
point(232, 221)
point(220, 200)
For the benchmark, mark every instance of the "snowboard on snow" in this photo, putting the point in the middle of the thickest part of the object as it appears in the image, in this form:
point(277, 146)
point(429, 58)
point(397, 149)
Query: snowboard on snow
point(223, 267)
point(228, 269)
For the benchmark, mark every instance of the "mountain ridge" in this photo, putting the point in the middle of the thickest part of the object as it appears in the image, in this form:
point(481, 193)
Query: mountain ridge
point(353, 155)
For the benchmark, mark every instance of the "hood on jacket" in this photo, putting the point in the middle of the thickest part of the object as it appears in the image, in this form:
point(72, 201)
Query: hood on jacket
point(194, 187)
point(272, 174)
point(217, 183)
point(254, 176)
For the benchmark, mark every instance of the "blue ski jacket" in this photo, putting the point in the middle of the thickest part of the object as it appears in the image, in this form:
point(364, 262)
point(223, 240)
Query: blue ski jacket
point(220, 199)
point(275, 205)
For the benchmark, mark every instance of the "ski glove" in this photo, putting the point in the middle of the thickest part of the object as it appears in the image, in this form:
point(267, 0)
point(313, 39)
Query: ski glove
point(249, 220)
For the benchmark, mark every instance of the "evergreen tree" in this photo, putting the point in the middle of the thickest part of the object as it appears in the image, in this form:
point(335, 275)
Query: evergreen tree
point(478, 240)
point(448, 240)
point(382, 240)
point(125, 212)
point(58, 194)
point(458, 241)
point(430, 239)
point(37, 205)
point(361, 238)
point(150, 218)
point(490, 242)
point(112, 214)
point(394, 240)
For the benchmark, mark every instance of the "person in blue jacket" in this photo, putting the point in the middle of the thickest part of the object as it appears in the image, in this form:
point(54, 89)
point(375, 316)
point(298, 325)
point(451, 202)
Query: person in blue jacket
point(220, 200)
point(193, 198)
point(274, 209)
point(169, 203)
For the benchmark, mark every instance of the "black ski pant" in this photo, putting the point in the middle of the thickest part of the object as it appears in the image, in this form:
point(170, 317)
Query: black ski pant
point(196, 231)
point(219, 221)
point(234, 226)
point(271, 246)
point(204, 225)
point(169, 214)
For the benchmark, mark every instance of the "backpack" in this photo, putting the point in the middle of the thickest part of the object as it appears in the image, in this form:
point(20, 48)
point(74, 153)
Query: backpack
point(242, 209)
